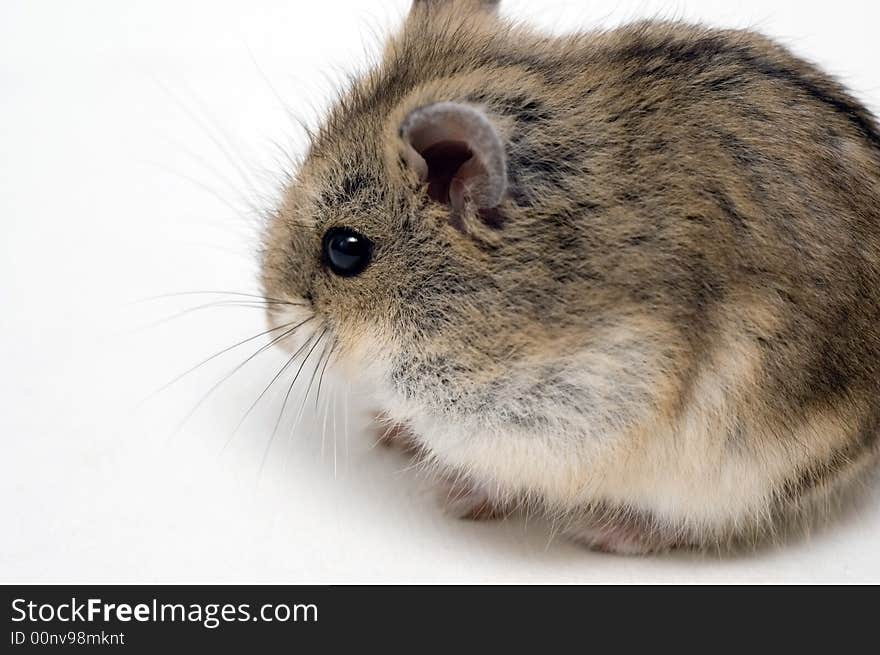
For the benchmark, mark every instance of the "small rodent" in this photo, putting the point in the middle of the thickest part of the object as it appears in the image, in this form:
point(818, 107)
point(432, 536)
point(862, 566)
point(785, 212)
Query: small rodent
point(628, 278)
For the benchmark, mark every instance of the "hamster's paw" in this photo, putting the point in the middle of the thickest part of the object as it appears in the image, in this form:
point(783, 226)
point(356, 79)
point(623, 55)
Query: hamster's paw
point(469, 501)
point(462, 499)
point(621, 539)
point(389, 434)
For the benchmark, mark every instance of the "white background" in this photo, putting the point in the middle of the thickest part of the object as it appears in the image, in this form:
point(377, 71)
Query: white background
point(137, 141)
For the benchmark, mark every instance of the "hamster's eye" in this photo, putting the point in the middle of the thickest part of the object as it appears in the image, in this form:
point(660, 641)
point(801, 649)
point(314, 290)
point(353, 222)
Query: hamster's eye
point(346, 252)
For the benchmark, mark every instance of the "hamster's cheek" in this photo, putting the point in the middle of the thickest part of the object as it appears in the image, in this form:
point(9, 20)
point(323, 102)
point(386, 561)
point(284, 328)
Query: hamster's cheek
point(292, 326)
point(364, 355)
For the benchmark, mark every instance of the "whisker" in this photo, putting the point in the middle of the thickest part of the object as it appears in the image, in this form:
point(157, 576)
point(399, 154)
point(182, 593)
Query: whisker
point(236, 156)
point(264, 391)
point(321, 377)
point(345, 424)
point(214, 293)
point(314, 372)
point(223, 147)
point(202, 161)
point(284, 106)
point(211, 358)
point(324, 430)
point(249, 304)
point(286, 398)
point(335, 433)
point(238, 368)
point(238, 211)
point(297, 421)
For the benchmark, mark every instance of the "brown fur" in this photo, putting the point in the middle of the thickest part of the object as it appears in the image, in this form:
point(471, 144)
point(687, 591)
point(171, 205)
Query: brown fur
point(702, 193)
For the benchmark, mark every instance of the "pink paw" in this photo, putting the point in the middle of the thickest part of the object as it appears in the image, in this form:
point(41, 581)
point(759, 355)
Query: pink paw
point(394, 435)
point(471, 502)
point(460, 498)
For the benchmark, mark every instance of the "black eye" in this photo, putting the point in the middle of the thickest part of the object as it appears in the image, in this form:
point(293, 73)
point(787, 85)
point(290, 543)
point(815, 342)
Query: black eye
point(346, 252)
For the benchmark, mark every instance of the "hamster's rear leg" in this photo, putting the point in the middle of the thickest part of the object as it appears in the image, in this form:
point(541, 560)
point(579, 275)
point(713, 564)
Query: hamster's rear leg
point(622, 538)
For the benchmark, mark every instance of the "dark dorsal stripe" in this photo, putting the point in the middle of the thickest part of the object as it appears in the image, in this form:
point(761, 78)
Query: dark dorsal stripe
point(683, 58)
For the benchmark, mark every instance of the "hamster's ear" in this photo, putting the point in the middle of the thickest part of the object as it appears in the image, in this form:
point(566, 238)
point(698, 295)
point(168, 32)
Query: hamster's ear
point(489, 6)
point(457, 151)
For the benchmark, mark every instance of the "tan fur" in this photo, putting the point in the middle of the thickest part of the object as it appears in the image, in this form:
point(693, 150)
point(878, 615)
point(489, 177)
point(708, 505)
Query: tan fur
point(666, 333)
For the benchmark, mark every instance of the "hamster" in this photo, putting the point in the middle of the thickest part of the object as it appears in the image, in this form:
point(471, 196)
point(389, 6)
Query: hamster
point(629, 278)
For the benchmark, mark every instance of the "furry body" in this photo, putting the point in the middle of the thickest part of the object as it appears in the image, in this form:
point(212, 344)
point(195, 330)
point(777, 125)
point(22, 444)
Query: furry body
point(668, 330)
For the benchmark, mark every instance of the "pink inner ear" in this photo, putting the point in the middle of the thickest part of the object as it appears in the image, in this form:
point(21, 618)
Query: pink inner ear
point(444, 160)
point(457, 152)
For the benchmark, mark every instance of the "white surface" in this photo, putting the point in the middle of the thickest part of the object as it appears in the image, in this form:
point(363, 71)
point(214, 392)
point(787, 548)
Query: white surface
point(136, 139)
